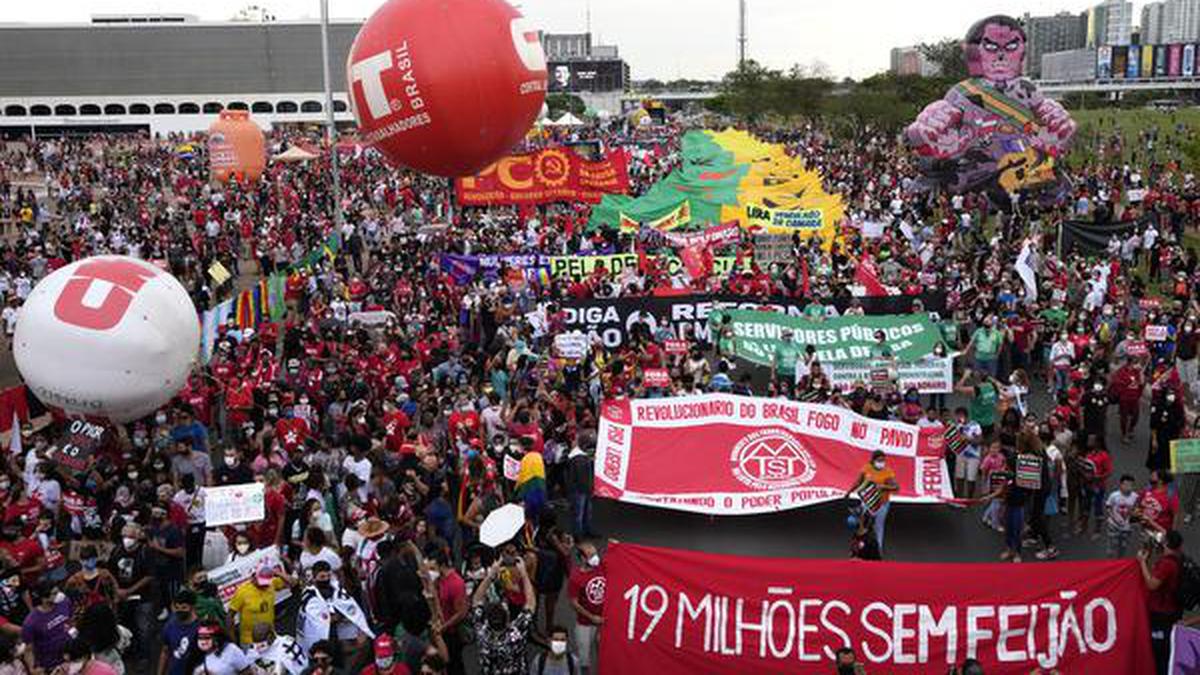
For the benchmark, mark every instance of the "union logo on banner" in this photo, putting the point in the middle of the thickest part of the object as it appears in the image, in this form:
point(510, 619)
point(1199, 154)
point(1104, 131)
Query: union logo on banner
point(771, 459)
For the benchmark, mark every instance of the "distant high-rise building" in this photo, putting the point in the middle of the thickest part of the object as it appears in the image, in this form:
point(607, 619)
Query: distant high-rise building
point(1046, 34)
point(1151, 30)
point(911, 61)
point(1181, 21)
point(1110, 23)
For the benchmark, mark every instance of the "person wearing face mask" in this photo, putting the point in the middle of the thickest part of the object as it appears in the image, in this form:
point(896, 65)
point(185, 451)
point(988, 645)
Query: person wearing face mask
point(502, 640)
point(328, 612)
point(276, 654)
point(178, 634)
point(586, 586)
point(242, 547)
point(883, 478)
point(132, 564)
point(92, 584)
point(47, 628)
point(557, 660)
point(232, 470)
point(1167, 420)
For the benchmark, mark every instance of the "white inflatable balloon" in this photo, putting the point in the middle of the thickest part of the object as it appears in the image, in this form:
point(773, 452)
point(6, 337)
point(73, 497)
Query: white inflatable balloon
point(109, 336)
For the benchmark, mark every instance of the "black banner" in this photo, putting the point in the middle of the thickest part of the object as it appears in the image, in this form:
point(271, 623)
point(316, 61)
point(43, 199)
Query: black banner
point(613, 319)
point(1083, 237)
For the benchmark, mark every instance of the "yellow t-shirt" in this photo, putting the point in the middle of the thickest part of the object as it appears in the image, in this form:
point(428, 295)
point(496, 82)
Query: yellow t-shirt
point(254, 605)
point(880, 478)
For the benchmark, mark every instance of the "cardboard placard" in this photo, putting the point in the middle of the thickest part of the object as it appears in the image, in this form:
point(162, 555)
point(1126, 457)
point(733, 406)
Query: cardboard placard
point(656, 377)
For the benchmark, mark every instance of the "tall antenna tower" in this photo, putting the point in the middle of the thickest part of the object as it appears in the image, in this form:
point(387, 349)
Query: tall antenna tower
point(741, 33)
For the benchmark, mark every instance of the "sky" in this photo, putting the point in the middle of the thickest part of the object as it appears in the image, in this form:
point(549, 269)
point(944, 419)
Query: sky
point(662, 39)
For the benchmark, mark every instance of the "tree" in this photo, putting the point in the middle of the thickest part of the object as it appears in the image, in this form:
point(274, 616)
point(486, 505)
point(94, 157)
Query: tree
point(947, 55)
point(557, 104)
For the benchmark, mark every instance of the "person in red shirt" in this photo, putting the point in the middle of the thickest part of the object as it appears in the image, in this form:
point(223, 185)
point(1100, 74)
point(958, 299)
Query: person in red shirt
point(586, 590)
point(395, 427)
point(1156, 507)
point(1126, 385)
point(291, 432)
point(1162, 598)
point(25, 552)
point(452, 601)
point(1099, 467)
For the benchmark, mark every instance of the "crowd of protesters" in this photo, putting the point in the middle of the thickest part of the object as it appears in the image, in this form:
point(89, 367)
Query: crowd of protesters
point(382, 447)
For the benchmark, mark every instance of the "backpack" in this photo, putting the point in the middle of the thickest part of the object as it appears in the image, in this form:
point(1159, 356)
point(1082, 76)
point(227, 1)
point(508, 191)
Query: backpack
point(1188, 592)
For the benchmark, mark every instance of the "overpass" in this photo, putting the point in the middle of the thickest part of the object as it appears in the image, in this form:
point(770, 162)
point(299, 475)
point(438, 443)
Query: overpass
point(1061, 87)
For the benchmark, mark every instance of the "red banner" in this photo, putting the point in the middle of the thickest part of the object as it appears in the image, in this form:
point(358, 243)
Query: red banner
point(717, 235)
point(724, 454)
point(669, 611)
point(550, 175)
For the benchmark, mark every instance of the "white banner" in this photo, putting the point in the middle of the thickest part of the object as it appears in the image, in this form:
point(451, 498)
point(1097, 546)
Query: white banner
point(228, 577)
point(573, 345)
point(933, 375)
point(231, 504)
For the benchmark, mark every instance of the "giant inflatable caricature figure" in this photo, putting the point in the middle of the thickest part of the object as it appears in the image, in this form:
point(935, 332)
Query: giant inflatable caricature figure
point(994, 132)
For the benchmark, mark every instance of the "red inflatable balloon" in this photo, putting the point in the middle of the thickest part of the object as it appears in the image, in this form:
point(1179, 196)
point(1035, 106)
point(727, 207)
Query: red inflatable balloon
point(445, 86)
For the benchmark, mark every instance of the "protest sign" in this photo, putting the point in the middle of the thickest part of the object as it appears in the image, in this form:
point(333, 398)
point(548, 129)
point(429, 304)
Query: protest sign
point(555, 174)
point(1185, 455)
point(717, 235)
point(579, 267)
point(735, 455)
point(1156, 334)
point(231, 504)
point(1136, 348)
point(909, 337)
point(573, 345)
point(656, 377)
point(679, 612)
point(675, 347)
point(81, 440)
point(782, 221)
point(463, 269)
point(772, 248)
point(930, 375)
point(231, 575)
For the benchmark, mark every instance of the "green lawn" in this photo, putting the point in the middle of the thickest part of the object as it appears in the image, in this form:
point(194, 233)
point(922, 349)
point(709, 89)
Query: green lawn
point(1101, 125)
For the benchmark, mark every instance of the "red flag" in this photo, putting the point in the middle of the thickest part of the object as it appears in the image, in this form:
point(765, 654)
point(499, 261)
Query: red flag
point(866, 277)
point(693, 261)
point(804, 276)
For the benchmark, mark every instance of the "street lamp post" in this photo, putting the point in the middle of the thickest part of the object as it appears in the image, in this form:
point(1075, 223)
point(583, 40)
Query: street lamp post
point(329, 121)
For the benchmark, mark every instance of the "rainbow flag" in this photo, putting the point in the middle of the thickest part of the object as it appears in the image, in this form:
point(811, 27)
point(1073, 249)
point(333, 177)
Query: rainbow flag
point(251, 306)
point(531, 482)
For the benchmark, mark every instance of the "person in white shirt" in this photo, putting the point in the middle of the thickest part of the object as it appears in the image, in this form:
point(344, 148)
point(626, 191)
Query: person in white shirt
point(315, 550)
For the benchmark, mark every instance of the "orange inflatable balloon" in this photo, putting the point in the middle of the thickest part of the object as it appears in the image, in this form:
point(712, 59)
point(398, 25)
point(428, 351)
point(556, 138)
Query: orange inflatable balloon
point(236, 148)
point(445, 86)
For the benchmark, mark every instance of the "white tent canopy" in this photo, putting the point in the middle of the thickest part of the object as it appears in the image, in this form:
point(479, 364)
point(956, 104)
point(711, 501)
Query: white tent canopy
point(567, 120)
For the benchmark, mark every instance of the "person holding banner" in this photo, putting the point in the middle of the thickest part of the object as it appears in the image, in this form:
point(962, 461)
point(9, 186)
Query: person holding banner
point(1162, 582)
point(874, 486)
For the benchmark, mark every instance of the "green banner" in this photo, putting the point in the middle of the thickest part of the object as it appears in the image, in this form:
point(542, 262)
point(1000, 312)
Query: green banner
point(1185, 455)
point(757, 335)
point(580, 267)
